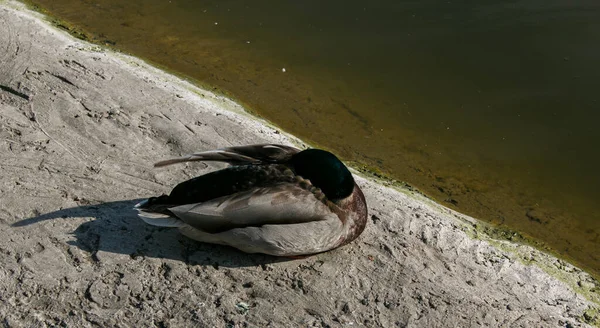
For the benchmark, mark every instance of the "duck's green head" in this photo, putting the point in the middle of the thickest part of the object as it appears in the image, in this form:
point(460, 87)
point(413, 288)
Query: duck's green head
point(325, 171)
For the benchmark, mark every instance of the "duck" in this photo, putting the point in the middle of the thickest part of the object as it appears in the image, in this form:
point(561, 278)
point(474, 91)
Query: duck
point(272, 199)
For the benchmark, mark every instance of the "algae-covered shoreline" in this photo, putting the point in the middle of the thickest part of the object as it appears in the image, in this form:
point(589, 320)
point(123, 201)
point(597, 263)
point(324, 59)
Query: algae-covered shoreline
point(76, 154)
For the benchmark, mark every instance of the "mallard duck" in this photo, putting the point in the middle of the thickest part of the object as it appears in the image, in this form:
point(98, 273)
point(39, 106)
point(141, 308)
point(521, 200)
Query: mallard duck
point(273, 199)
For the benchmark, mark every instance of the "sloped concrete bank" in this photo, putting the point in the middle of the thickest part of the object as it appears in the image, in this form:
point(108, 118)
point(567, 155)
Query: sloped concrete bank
point(80, 127)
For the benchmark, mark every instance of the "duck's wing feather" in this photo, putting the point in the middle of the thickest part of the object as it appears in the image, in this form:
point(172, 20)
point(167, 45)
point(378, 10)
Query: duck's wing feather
point(281, 204)
point(239, 155)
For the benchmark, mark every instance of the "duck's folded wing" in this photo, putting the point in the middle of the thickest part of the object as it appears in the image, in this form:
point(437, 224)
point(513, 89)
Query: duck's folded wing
point(251, 154)
point(282, 204)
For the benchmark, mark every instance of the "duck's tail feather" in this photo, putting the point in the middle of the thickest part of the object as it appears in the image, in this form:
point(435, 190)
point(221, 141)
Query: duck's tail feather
point(251, 154)
point(157, 218)
point(168, 222)
point(211, 155)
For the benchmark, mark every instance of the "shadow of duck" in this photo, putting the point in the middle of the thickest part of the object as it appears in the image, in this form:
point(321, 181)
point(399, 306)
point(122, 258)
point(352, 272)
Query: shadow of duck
point(114, 228)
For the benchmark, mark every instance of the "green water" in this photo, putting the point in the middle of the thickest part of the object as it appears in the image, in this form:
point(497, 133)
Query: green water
point(490, 107)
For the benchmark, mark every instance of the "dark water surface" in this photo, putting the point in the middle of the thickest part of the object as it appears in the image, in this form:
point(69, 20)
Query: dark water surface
point(490, 107)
